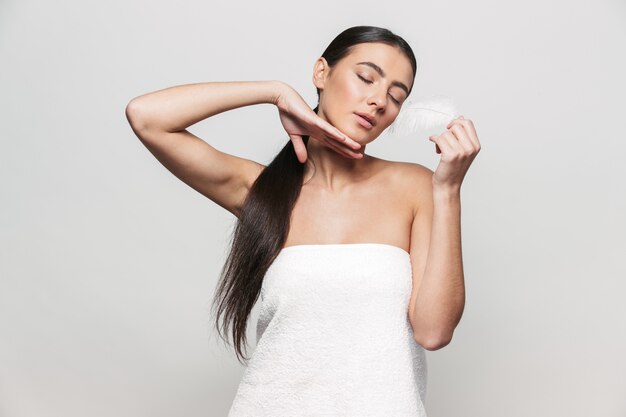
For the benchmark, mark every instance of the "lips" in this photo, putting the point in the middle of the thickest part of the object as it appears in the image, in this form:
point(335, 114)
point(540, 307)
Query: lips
point(368, 117)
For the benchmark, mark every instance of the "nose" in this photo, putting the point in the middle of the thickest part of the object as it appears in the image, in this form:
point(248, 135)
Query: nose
point(378, 97)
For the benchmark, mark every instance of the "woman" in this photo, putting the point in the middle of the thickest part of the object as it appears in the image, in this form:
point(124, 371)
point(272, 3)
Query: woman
point(357, 259)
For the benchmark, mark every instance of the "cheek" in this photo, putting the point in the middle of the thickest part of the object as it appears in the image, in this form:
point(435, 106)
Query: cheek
point(347, 88)
point(352, 90)
point(343, 98)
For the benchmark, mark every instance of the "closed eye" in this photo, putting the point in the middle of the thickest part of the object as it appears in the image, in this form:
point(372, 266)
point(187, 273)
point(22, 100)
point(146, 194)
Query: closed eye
point(367, 81)
point(370, 82)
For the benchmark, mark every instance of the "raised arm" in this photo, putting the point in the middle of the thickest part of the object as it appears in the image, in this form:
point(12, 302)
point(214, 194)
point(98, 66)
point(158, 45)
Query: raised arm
point(159, 119)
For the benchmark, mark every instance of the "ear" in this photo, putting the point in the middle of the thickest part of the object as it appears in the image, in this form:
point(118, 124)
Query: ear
point(320, 72)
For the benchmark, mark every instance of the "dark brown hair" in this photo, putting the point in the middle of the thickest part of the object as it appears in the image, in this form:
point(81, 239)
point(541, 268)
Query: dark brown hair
point(263, 224)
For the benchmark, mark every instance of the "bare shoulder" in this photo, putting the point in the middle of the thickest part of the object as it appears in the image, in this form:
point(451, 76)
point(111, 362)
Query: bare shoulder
point(411, 179)
point(412, 171)
point(411, 176)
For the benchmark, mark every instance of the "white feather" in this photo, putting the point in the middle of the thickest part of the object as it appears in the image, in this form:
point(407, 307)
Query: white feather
point(424, 117)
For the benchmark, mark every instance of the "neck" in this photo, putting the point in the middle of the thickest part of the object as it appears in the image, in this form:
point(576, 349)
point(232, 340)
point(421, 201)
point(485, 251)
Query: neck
point(327, 168)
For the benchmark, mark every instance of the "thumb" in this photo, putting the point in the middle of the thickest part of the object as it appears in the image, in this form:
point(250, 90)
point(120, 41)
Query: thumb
point(432, 139)
point(299, 148)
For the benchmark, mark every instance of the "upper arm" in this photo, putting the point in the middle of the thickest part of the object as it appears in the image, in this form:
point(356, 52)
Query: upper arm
point(420, 228)
point(223, 178)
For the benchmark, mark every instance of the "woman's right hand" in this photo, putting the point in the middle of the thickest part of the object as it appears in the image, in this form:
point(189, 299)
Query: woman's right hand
point(299, 120)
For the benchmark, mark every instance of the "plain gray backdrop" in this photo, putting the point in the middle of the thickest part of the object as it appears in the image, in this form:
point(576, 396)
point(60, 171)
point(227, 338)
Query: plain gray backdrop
point(108, 262)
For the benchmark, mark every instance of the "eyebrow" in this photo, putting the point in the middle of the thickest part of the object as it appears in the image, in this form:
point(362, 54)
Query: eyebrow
point(380, 71)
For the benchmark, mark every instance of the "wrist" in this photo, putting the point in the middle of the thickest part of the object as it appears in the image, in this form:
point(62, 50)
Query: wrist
point(277, 88)
point(446, 191)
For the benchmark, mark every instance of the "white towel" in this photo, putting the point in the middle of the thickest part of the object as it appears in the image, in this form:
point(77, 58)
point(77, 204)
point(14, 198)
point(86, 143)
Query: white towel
point(334, 338)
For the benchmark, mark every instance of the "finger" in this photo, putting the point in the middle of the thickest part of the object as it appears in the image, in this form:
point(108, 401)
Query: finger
point(451, 122)
point(342, 146)
point(334, 134)
point(433, 139)
point(343, 150)
point(444, 144)
point(462, 137)
point(455, 142)
point(299, 148)
point(471, 131)
point(347, 152)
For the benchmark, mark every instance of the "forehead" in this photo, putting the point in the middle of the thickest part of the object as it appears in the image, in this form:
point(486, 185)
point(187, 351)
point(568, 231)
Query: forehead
point(390, 59)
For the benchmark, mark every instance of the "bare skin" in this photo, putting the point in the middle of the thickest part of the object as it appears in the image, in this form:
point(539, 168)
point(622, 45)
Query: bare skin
point(365, 200)
point(349, 200)
point(350, 197)
point(347, 195)
point(378, 207)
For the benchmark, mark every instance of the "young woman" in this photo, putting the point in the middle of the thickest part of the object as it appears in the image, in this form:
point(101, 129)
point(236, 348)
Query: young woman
point(357, 259)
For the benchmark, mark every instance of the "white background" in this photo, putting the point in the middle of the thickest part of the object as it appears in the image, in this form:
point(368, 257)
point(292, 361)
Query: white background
point(108, 262)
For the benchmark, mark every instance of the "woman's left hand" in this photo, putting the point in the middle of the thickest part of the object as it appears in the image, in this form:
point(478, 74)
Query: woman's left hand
point(458, 147)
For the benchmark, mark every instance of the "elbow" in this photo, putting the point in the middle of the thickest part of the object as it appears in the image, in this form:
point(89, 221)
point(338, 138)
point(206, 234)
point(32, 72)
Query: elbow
point(131, 112)
point(135, 116)
point(432, 342)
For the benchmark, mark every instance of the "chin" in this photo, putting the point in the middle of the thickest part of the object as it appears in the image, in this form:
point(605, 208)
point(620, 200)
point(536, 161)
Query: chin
point(358, 133)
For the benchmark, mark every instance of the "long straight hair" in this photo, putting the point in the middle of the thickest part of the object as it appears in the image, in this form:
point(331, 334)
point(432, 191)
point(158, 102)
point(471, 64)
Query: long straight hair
point(263, 223)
